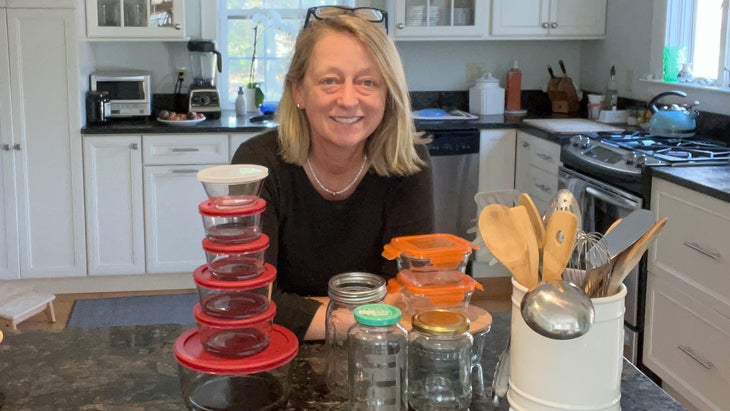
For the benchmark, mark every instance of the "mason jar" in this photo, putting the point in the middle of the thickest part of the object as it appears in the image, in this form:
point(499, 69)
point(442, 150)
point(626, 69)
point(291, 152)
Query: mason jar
point(377, 355)
point(346, 292)
point(439, 362)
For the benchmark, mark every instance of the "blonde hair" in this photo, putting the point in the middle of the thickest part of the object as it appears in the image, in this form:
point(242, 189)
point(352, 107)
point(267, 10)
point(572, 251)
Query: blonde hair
point(391, 147)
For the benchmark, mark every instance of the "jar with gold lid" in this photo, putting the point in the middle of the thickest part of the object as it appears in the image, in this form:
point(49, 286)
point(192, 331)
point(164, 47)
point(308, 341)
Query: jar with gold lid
point(439, 361)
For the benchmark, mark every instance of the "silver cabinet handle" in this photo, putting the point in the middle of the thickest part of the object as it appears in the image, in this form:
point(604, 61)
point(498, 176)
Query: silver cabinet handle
point(545, 25)
point(185, 171)
point(544, 188)
point(134, 146)
point(178, 26)
point(695, 357)
point(401, 26)
point(554, 25)
point(525, 144)
point(545, 157)
point(699, 249)
point(184, 150)
point(5, 147)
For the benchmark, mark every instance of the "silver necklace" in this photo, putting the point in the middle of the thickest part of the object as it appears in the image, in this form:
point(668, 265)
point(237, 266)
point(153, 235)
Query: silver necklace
point(349, 186)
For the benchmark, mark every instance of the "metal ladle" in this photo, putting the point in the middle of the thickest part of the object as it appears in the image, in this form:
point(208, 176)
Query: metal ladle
point(558, 310)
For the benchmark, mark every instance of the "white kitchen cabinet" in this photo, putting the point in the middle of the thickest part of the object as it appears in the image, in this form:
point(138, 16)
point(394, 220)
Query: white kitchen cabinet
point(135, 19)
point(42, 200)
point(535, 19)
point(237, 139)
point(173, 226)
point(440, 19)
point(114, 204)
point(536, 168)
point(687, 342)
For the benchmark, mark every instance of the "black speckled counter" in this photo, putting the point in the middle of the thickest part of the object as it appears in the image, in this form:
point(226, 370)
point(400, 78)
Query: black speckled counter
point(711, 180)
point(133, 368)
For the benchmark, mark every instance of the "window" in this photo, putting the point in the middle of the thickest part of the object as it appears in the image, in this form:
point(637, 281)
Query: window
point(277, 22)
point(700, 28)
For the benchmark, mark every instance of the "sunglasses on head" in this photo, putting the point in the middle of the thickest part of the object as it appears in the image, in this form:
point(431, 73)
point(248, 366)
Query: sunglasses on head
point(370, 14)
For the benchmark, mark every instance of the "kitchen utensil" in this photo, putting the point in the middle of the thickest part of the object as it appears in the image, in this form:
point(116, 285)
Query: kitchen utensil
point(550, 70)
point(559, 310)
point(535, 219)
point(626, 232)
point(588, 253)
point(522, 221)
point(674, 120)
point(500, 381)
point(562, 68)
point(563, 200)
point(504, 239)
point(560, 235)
point(629, 258)
point(614, 224)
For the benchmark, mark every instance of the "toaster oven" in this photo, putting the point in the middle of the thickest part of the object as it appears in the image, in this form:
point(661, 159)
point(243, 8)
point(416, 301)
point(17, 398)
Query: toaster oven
point(130, 92)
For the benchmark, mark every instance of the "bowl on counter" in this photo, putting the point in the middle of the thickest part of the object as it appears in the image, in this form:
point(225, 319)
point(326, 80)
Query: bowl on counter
point(234, 338)
point(232, 225)
point(233, 185)
point(241, 261)
point(234, 299)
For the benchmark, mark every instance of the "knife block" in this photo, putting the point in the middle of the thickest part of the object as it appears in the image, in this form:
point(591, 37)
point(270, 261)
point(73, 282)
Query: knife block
point(563, 96)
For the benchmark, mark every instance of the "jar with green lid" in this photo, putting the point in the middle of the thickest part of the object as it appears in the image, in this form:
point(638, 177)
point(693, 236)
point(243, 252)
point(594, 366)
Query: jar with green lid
point(439, 361)
point(377, 355)
point(346, 291)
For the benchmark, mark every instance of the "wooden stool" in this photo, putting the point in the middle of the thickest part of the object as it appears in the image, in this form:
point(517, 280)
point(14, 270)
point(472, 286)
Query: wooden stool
point(18, 303)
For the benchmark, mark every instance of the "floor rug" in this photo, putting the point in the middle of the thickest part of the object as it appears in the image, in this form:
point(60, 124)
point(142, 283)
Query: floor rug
point(137, 310)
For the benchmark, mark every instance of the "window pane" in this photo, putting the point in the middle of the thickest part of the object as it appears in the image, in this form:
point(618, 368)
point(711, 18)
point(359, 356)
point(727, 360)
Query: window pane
point(706, 50)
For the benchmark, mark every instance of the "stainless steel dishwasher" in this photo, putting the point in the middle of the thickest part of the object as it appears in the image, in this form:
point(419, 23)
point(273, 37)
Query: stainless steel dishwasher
point(455, 165)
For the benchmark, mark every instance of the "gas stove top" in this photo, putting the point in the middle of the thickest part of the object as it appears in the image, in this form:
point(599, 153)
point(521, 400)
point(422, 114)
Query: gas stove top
point(628, 154)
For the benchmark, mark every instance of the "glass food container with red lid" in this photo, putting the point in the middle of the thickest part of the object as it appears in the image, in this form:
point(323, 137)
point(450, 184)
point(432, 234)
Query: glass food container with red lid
point(232, 225)
point(234, 299)
point(236, 261)
point(236, 337)
point(258, 382)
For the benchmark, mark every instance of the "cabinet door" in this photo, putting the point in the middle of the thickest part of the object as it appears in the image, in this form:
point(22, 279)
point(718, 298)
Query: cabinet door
point(520, 18)
point(440, 19)
point(523, 155)
point(142, 19)
point(578, 17)
point(173, 226)
point(49, 171)
point(496, 160)
point(9, 265)
point(238, 139)
point(114, 204)
point(536, 171)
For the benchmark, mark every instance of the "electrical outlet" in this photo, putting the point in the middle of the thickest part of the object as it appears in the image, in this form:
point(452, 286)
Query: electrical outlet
point(185, 77)
point(629, 80)
point(474, 71)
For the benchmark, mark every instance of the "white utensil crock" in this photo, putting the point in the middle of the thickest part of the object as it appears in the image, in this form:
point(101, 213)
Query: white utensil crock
point(583, 373)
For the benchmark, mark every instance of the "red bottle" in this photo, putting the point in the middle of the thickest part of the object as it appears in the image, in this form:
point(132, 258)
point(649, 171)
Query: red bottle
point(513, 89)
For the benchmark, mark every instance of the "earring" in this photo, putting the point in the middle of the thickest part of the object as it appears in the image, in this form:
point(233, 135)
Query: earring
point(298, 106)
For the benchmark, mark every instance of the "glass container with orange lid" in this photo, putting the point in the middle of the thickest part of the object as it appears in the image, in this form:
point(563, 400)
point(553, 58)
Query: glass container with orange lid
point(431, 272)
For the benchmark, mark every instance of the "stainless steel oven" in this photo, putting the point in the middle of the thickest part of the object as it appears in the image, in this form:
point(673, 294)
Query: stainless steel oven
point(601, 204)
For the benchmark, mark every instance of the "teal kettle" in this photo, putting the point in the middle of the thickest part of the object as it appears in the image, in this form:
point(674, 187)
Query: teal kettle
point(674, 120)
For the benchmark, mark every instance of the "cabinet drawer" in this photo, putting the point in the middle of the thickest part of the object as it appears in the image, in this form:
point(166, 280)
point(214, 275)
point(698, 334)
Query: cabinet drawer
point(695, 244)
point(687, 345)
point(543, 185)
point(185, 149)
point(546, 155)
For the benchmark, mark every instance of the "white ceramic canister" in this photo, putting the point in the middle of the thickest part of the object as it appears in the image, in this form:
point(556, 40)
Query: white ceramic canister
point(486, 97)
point(583, 373)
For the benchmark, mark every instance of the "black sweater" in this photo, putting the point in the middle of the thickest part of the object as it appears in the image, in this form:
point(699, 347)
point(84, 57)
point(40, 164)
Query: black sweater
point(313, 239)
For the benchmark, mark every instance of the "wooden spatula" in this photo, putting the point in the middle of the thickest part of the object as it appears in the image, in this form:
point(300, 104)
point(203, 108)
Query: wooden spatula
point(522, 221)
point(626, 261)
point(535, 219)
point(559, 241)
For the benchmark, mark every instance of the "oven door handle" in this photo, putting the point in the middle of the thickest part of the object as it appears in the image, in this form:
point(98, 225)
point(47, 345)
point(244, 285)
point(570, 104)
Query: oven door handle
point(617, 201)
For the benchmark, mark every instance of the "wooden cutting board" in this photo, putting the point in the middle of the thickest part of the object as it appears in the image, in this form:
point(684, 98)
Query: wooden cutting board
point(570, 125)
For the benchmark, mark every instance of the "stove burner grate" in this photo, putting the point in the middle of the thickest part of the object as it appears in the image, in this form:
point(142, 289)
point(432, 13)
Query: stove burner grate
point(670, 149)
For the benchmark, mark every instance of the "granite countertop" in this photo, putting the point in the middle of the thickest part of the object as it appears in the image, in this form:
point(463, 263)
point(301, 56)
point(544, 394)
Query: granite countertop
point(711, 180)
point(125, 368)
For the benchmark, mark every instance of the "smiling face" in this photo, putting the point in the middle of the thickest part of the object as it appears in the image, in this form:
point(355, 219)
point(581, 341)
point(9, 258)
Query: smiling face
point(343, 92)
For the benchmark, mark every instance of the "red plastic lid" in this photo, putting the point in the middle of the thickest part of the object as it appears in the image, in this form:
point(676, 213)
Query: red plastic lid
point(283, 347)
point(204, 278)
point(260, 243)
point(257, 207)
point(203, 318)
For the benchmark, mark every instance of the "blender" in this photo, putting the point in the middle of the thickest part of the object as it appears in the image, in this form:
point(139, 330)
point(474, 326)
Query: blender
point(205, 61)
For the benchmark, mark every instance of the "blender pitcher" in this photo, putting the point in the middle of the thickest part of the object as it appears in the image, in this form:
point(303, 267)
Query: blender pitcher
point(205, 60)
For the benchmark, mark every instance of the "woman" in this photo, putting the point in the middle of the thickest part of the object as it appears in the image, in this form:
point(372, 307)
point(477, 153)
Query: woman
point(345, 172)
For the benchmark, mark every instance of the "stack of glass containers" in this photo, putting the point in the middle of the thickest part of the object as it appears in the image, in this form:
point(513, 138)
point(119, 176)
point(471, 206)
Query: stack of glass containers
point(431, 272)
point(236, 348)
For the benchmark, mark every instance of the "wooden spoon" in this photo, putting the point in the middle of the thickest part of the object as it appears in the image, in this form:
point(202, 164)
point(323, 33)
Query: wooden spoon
point(615, 223)
point(520, 216)
point(535, 219)
point(560, 235)
point(506, 243)
point(626, 261)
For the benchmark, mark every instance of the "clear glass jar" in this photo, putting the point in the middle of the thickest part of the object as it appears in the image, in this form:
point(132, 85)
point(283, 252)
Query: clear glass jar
point(439, 362)
point(377, 355)
point(346, 292)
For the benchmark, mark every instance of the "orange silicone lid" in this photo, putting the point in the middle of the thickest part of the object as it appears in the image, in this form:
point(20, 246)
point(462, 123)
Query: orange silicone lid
point(437, 248)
